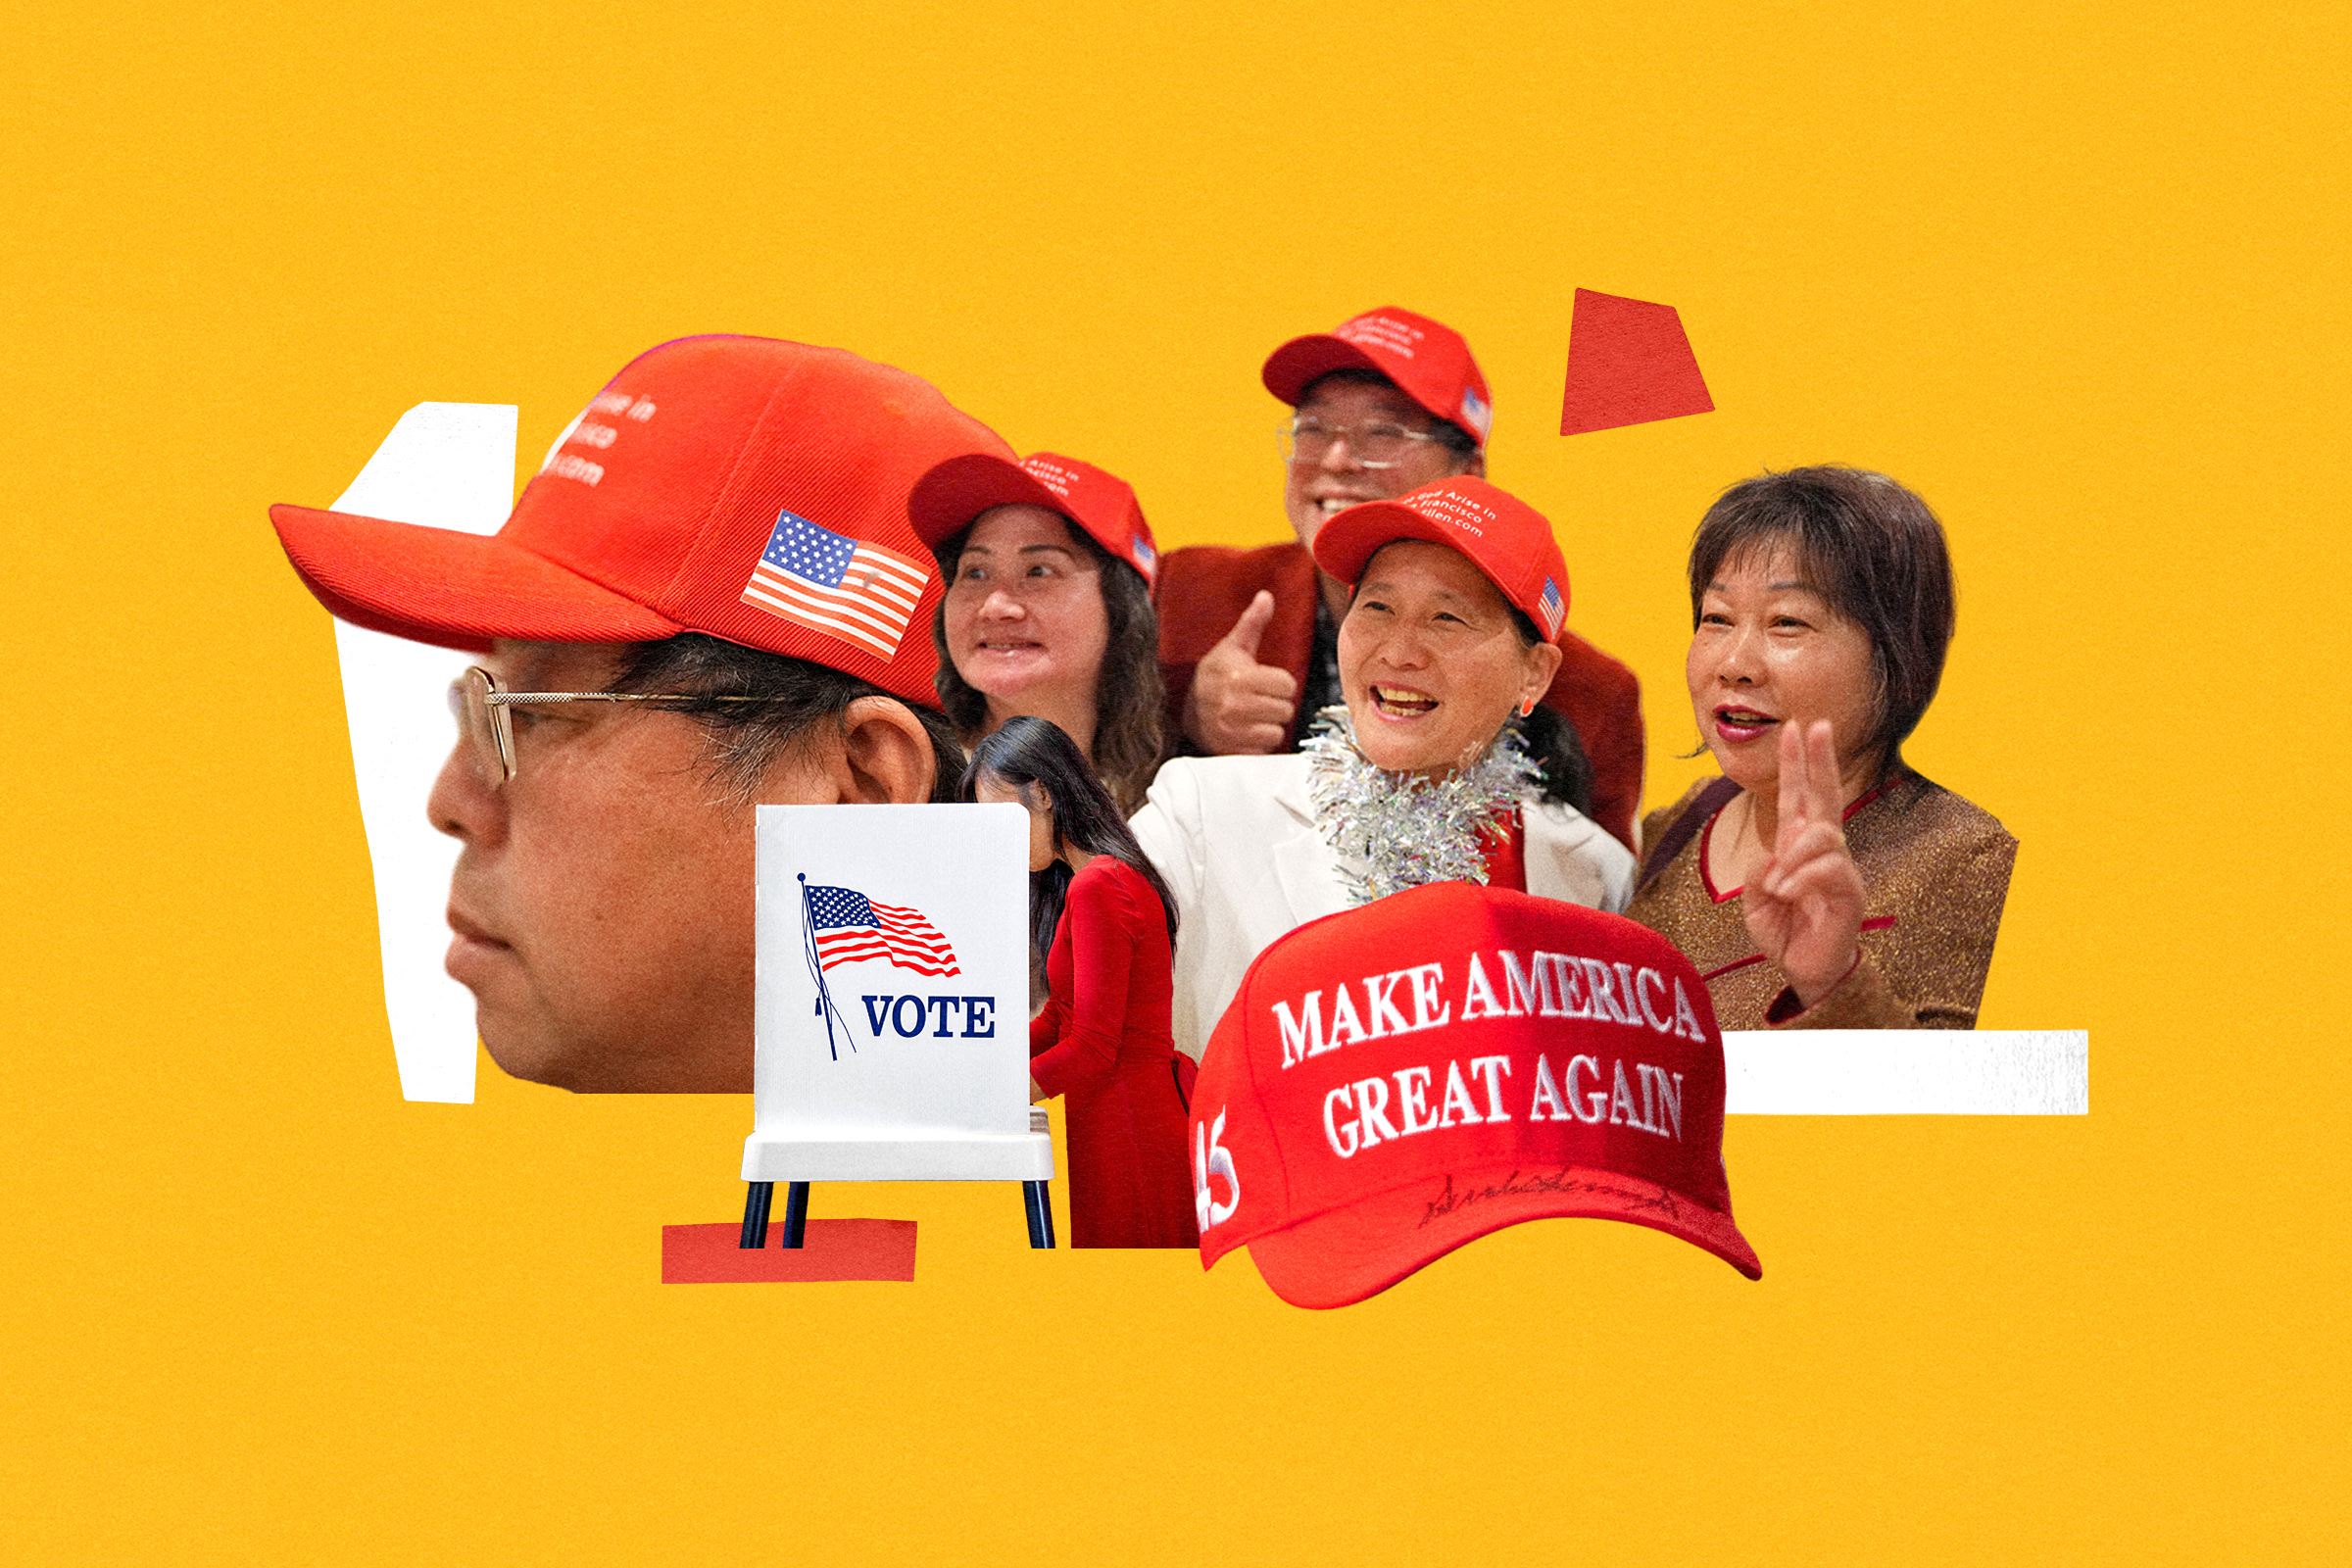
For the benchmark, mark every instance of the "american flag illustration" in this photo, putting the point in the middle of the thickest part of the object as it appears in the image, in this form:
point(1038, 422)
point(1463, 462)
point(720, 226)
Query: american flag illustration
point(1553, 609)
point(830, 582)
point(846, 927)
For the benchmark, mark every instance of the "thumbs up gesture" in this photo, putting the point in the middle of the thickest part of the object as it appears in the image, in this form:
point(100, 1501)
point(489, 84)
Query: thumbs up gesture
point(1238, 706)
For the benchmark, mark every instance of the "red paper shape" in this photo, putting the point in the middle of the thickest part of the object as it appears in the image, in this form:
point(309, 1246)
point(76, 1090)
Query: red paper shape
point(830, 1249)
point(1628, 364)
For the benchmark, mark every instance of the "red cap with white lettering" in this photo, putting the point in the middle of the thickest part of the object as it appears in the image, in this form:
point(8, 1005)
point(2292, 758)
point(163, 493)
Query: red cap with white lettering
point(749, 488)
point(1427, 360)
point(1510, 1059)
point(1502, 535)
point(948, 498)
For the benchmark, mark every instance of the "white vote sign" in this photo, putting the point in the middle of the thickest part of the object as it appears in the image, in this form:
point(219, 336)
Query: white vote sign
point(892, 1009)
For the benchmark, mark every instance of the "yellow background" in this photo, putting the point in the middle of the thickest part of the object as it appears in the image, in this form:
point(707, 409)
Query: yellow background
point(2076, 273)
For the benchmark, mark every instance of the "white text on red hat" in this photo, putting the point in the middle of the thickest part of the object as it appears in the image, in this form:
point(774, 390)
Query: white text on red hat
point(1547, 985)
point(1365, 1101)
point(1382, 331)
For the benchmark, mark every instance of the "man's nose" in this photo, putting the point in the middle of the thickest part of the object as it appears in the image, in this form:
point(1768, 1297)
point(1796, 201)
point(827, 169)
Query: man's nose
point(1002, 603)
point(1340, 457)
point(463, 804)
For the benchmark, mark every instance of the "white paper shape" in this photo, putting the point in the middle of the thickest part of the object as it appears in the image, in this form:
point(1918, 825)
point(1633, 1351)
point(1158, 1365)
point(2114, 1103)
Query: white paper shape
point(865, 1100)
point(447, 465)
point(1907, 1072)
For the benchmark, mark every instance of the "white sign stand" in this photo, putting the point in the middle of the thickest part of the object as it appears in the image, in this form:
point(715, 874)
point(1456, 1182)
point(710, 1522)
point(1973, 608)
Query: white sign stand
point(891, 1013)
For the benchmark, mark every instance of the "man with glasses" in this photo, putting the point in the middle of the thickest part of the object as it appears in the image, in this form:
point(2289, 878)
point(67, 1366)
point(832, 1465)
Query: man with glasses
point(708, 597)
point(1248, 641)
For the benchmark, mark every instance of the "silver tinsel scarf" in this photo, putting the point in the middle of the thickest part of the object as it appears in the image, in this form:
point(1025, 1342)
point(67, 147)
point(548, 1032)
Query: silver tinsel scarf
point(1408, 831)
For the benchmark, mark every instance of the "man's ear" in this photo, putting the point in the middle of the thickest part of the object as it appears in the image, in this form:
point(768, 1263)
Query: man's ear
point(888, 753)
point(879, 756)
point(1475, 465)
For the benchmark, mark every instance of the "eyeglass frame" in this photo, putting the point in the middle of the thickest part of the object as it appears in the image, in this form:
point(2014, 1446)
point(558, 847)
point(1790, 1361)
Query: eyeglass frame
point(1287, 433)
point(496, 701)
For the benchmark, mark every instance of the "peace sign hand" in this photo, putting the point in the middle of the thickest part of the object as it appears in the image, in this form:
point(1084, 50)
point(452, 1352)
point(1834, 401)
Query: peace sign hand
point(1804, 905)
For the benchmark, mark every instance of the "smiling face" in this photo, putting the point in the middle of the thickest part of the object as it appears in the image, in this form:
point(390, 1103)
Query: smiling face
point(602, 902)
point(1429, 660)
point(1314, 491)
point(1768, 651)
point(1024, 613)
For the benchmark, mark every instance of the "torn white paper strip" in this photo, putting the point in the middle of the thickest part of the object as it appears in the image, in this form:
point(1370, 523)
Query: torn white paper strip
point(447, 465)
point(1907, 1072)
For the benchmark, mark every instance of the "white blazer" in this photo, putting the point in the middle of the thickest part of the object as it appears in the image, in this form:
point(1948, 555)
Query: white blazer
point(1236, 839)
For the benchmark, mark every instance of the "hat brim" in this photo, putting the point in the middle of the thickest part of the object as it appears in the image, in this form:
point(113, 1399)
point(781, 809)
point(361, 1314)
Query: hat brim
point(945, 502)
point(1291, 368)
point(451, 589)
point(1341, 1258)
point(1346, 544)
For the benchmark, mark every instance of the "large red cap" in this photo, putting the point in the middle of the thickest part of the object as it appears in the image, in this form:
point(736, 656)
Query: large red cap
point(1427, 360)
point(745, 487)
point(948, 498)
point(1399, 1079)
point(1502, 535)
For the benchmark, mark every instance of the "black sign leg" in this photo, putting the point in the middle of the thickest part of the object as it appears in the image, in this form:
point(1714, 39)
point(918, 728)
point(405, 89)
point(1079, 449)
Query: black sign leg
point(1041, 1214)
point(755, 1215)
point(796, 1213)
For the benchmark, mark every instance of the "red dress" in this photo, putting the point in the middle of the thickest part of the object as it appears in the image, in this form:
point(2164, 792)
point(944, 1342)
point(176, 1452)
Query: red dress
point(1102, 1045)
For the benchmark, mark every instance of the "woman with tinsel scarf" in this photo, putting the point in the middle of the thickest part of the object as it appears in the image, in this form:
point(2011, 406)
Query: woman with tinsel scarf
point(1441, 765)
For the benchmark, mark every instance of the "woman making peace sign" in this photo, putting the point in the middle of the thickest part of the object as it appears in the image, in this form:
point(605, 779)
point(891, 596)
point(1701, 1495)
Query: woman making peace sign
point(1820, 883)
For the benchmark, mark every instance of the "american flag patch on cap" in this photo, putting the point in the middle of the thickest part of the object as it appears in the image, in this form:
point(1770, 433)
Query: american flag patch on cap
point(847, 588)
point(1555, 612)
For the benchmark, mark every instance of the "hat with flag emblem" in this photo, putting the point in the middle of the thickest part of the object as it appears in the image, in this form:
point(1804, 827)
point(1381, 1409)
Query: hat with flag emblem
point(1427, 361)
point(749, 488)
point(1502, 535)
point(952, 495)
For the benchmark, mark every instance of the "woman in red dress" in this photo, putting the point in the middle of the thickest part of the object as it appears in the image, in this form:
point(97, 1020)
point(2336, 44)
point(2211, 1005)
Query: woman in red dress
point(1104, 919)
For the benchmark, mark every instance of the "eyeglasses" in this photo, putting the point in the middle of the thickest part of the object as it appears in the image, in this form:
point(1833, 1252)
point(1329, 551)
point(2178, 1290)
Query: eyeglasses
point(1308, 439)
point(484, 723)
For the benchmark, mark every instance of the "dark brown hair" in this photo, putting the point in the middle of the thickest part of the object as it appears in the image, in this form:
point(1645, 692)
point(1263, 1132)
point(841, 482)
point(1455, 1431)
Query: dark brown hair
point(747, 738)
point(1031, 753)
point(1869, 547)
point(1130, 701)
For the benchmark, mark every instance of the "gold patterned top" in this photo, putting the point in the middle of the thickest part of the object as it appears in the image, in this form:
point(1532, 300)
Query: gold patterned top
point(1936, 872)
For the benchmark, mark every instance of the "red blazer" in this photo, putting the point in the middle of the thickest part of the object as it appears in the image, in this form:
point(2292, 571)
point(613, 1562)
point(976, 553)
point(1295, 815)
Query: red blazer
point(1205, 588)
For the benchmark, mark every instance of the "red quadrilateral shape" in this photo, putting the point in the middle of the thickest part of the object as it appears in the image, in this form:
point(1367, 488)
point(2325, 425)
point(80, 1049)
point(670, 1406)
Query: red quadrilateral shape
point(830, 1249)
point(1629, 363)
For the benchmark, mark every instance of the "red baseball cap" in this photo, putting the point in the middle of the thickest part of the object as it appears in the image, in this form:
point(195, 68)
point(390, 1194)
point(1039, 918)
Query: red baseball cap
point(948, 498)
point(745, 487)
point(1427, 360)
point(1502, 535)
point(1509, 1058)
